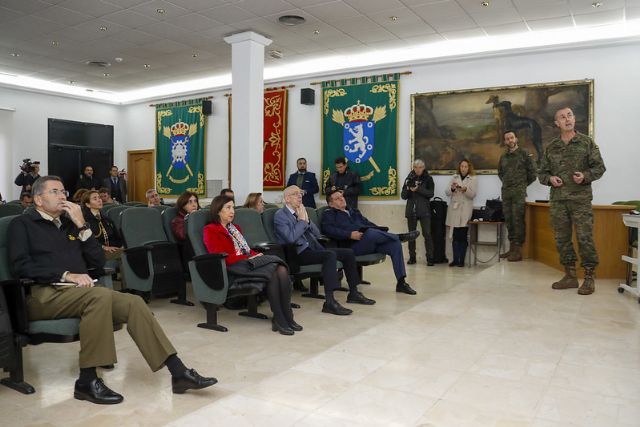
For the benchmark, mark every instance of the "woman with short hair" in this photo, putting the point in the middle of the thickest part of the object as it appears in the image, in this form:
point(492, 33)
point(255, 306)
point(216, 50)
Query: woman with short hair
point(243, 263)
point(254, 201)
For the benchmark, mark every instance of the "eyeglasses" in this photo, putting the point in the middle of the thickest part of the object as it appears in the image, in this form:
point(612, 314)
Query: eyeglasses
point(57, 192)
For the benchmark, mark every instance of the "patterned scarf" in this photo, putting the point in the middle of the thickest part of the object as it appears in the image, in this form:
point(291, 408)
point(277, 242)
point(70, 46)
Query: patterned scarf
point(239, 242)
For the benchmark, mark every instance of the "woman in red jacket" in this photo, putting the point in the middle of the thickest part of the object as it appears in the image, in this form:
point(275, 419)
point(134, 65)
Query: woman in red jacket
point(221, 235)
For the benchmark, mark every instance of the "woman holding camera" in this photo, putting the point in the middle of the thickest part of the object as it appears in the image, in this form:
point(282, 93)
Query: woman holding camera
point(462, 190)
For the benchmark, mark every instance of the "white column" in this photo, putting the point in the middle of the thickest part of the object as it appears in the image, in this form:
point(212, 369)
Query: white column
point(7, 165)
point(247, 64)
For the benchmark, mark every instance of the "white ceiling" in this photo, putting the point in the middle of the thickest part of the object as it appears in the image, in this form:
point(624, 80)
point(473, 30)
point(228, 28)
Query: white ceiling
point(53, 39)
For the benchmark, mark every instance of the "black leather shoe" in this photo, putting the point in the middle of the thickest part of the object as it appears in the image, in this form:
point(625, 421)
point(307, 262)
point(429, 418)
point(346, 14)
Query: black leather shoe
point(96, 391)
point(112, 366)
point(430, 262)
point(359, 298)
point(334, 307)
point(293, 325)
point(407, 237)
point(405, 288)
point(284, 330)
point(411, 261)
point(364, 282)
point(190, 379)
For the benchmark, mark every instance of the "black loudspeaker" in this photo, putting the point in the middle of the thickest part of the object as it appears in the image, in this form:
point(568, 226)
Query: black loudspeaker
point(307, 96)
point(206, 108)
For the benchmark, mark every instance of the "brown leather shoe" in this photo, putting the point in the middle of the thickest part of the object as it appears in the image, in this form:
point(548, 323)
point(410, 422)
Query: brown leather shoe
point(569, 280)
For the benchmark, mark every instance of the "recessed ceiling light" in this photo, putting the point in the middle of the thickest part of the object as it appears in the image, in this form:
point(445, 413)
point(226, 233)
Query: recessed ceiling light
point(106, 74)
point(596, 4)
point(147, 66)
point(55, 43)
point(195, 55)
point(160, 11)
point(484, 4)
point(103, 28)
point(393, 18)
point(291, 20)
point(15, 54)
point(99, 64)
point(118, 59)
point(316, 32)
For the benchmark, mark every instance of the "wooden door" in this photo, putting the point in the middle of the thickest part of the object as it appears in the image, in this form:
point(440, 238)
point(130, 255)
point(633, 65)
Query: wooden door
point(140, 170)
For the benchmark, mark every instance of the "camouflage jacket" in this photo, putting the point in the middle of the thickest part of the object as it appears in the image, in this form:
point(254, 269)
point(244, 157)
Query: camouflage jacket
point(581, 154)
point(516, 171)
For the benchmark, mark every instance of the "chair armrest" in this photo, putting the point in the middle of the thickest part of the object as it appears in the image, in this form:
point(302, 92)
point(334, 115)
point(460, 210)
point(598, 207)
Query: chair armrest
point(220, 255)
point(266, 246)
point(212, 269)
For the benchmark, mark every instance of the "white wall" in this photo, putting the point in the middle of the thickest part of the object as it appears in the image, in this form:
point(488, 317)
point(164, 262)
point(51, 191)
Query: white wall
point(614, 69)
point(30, 133)
point(6, 138)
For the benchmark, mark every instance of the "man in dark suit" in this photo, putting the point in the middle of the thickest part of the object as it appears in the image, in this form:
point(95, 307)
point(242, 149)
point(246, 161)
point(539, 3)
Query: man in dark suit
point(54, 246)
point(306, 181)
point(116, 184)
point(88, 180)
point(292, 225)
point(365, 237)
point(345, 181)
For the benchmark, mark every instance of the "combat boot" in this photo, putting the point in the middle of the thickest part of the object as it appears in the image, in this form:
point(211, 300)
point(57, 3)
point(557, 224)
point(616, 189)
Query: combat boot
point(569, 280)
point(515, 253)
point(506, 254)
point(588, 285)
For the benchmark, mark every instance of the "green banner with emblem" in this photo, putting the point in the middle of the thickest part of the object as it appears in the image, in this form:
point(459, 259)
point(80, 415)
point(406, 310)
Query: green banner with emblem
point(359, 122)
point(180, 148)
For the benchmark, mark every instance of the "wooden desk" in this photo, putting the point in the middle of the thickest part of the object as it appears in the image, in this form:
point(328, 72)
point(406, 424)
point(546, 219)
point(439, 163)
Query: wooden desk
point(609, 235)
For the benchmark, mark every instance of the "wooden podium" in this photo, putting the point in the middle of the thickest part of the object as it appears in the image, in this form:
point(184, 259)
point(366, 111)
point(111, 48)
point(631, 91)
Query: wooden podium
point(610, 236)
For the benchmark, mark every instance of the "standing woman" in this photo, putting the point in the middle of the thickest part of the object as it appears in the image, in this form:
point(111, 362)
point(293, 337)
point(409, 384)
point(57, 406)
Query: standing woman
point(243, 263)
point(417, 191)
point(462, 190)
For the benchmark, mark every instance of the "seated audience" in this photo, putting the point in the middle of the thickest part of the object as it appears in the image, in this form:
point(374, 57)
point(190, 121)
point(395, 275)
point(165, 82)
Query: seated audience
point(351, 228)
point(26, 200)
point(102, 227)
point(187, 203)
point(244, 264)
point(88, 180)
point(105, 196)
point(77, 196)
point(292, 225)
point(153, 199)
point(227, 192)
point(52, 249)
point(254, 201)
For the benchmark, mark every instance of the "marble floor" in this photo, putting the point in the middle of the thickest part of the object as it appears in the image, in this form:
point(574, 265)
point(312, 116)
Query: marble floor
point(483, 346)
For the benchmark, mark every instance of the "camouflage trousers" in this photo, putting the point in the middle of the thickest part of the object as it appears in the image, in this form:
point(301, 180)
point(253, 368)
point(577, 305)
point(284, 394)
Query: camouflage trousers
point(513, 206)
point(565, 215)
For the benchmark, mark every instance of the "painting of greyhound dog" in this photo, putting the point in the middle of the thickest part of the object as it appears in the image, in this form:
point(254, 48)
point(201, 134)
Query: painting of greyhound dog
point(449, 126)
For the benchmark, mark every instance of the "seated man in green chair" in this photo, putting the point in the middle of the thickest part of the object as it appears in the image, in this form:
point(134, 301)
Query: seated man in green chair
point(52, 246)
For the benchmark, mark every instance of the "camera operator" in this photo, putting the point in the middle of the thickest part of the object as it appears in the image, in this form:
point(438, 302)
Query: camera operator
point(30, 171)
point(417, 190)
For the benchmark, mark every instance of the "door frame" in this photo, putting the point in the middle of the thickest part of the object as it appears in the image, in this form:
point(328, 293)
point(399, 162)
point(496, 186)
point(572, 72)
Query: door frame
point(151, 151)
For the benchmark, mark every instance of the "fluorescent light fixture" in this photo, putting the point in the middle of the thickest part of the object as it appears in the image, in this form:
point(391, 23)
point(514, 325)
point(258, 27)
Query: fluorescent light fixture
point(337, 63)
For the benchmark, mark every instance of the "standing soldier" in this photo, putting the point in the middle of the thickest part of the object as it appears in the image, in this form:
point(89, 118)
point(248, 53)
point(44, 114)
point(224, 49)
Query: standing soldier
point(569, 165)
point(516, 171)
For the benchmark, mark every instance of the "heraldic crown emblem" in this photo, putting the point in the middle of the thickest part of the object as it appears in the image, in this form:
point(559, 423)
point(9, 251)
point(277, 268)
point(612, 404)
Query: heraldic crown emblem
point(358, 112)
point(180, 128)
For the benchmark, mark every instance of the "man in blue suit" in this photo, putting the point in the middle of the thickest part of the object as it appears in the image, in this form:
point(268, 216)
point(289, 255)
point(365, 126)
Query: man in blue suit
point(292, 225)
point(306, 181)
point(364, 237)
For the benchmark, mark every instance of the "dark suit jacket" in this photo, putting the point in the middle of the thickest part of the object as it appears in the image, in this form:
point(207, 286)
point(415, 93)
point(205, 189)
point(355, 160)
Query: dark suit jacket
point(40, 251)
point(309, 184)
point(418, 205)
point(338, 224)
point(348, 183)
point(88, 182)
point(289, 230)
point(122, 185)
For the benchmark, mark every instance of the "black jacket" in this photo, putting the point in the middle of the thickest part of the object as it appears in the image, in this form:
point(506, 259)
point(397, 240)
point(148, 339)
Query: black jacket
point(417, 201)
point(40, 251)
point(88, 182)
point(25, 180)
point(118, 191)
point(349, 183)
point(113, 237)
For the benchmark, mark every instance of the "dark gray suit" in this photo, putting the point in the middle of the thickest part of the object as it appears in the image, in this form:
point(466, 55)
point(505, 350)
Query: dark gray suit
point(118, 190)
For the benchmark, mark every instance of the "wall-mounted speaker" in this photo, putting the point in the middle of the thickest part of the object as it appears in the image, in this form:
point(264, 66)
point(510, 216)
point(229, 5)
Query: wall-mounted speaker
point(207, 108)
point(307, 96)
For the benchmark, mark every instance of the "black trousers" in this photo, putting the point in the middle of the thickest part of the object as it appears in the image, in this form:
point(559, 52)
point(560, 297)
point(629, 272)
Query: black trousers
point(328, 257)
point(425, 224)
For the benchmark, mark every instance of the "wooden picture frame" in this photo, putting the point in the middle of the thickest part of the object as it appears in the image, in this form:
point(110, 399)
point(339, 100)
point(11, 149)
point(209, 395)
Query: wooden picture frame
point(449, 126)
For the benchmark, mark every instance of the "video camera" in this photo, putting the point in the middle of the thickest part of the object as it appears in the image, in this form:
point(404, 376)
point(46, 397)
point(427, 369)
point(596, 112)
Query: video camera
point(28, 166)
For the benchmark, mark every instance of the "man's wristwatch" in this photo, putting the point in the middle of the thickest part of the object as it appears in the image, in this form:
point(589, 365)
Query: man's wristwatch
point(84, 227)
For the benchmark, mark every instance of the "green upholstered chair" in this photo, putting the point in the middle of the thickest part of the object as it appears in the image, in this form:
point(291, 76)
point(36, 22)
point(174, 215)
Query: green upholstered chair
point(209, 277)
point(114, 215)
point(167, 216)
point(10, 209)
point(150, 263)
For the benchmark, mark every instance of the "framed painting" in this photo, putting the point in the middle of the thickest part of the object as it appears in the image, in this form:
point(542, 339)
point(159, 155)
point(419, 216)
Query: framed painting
point(449, 126)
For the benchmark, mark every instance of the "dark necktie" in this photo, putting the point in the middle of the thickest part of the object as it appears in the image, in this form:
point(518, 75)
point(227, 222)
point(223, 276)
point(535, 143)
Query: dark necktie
point(114, 180)
point(300, 180)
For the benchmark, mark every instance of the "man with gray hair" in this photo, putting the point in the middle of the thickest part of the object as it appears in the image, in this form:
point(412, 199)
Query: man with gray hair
point(417, 189)
point(153, 199)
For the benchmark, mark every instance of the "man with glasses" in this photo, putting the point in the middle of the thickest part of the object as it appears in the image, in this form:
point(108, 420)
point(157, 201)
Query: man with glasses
point(53, 246)
point(292, 225)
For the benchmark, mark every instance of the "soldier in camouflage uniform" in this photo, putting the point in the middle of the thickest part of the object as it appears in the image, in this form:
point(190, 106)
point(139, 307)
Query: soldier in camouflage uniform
point(569, 165)
point(516, 171)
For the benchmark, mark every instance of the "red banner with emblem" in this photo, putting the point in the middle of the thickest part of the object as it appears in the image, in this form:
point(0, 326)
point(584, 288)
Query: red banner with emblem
point(275, 139)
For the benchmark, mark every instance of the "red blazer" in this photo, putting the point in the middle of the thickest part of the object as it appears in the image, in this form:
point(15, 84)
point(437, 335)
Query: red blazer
point(217, 239)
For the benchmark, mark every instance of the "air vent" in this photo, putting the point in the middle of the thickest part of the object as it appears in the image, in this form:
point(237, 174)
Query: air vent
point(276, 54)
point(291, 20)
point(98, 64)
